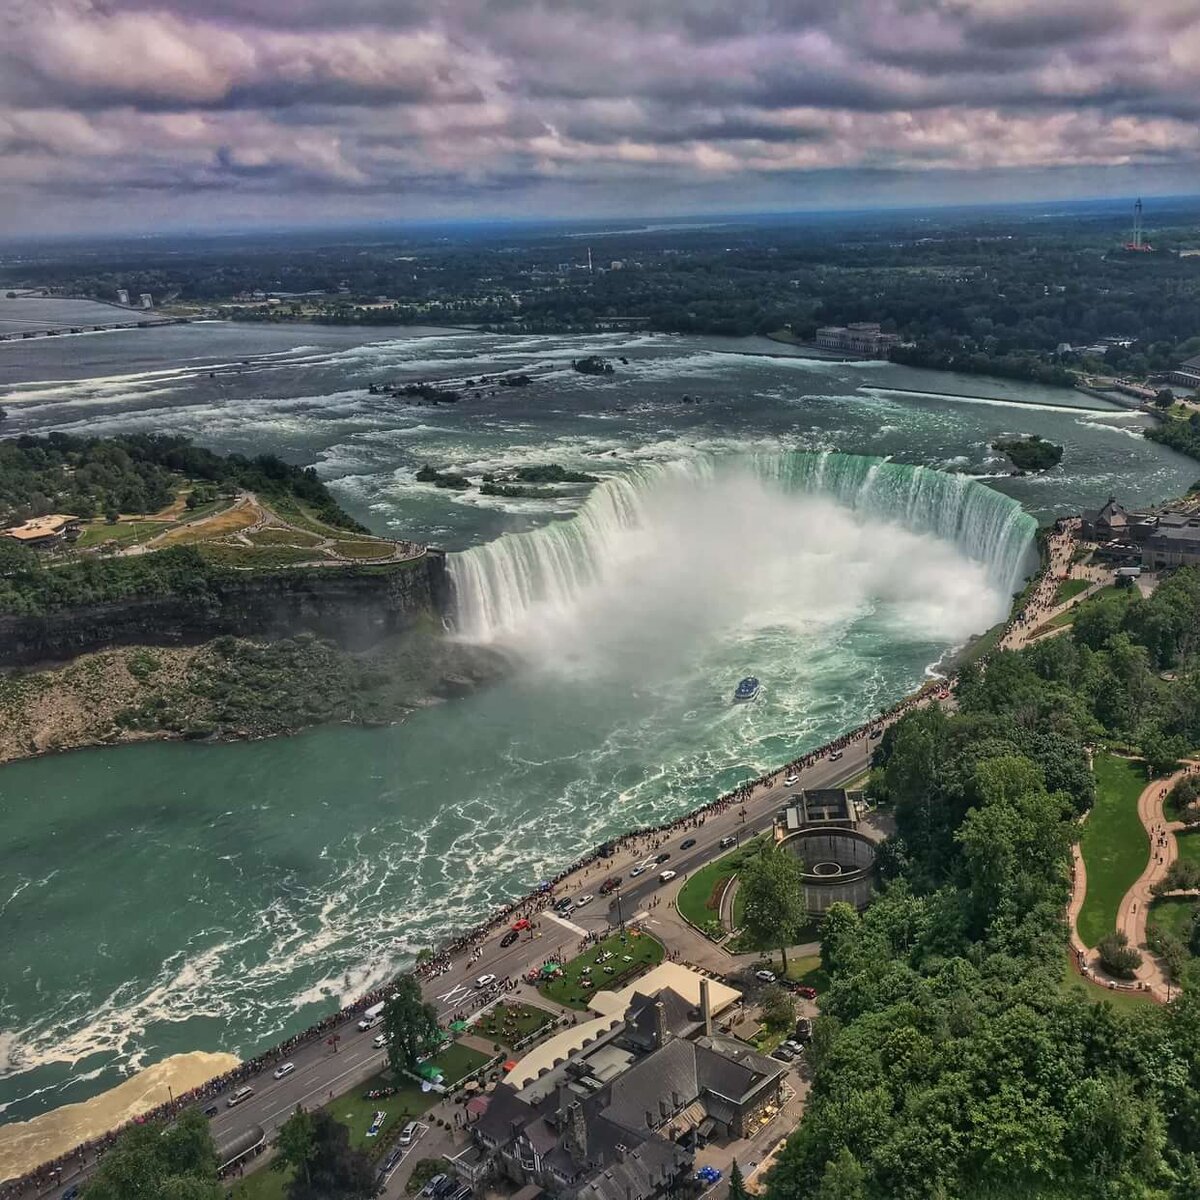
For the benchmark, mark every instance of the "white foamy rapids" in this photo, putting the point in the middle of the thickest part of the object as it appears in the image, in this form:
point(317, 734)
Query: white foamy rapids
point(681, 551)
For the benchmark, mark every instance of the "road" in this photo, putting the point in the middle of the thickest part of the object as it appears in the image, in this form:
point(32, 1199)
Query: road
point(322, 1072)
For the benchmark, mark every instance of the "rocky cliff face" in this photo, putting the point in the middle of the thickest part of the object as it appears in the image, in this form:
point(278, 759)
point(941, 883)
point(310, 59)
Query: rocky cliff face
point(355, 607)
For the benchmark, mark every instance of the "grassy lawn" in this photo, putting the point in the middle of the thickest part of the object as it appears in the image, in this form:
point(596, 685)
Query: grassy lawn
point(357, 1113)
point(457, 1061)
point(274, 536)
point(509, 1023)
point(984, 644)
point(807, 970)
point(1114, 845)
point(573, 988)
point(1069, 588)
point(364, 549)
point(1189, 846)
point(228, 520)
point(263, 1184)
point(1174, 915)
point(124, 533)
point(1097, 993)
point(225, 555)
point(1068, 617)
point(698, 898)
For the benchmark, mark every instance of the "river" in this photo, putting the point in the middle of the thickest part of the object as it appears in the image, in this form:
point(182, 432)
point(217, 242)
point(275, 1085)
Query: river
point(760, 513)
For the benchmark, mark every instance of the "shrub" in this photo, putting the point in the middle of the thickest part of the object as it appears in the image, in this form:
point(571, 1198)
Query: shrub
point(1117, 956)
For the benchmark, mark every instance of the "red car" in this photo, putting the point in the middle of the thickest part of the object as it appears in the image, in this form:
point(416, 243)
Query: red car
point(809, 993)
point(518, 926)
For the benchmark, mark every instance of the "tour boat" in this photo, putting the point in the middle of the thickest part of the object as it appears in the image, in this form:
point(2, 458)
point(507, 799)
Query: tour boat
point(747, 690)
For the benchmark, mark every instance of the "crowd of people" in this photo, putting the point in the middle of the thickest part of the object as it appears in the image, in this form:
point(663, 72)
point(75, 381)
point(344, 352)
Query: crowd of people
point(1042, 600)
point(1060, 546)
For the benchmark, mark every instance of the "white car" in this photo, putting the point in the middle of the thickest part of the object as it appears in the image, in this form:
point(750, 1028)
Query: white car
point(407, 1133)
point(765, 976)
point(584, 900)
point(791, 779)
point(485, 981)
point(666, 876)
point(380, 1041)
point(636, 871)
point(284, 1069)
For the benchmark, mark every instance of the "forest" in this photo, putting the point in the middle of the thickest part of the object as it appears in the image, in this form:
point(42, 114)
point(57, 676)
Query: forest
point(953, 1057)
point(140, 473)
point(971, 289)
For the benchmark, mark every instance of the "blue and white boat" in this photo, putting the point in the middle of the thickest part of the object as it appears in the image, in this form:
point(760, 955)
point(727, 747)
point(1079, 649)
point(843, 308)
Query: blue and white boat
point(747, 690)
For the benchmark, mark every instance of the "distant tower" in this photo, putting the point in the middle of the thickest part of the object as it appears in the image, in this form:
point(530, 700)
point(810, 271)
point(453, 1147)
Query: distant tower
point(123, 296)
point(1137, 224)
point(590, 255)
point(146, 300)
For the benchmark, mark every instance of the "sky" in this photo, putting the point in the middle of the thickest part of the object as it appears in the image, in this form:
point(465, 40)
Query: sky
point(167, 114)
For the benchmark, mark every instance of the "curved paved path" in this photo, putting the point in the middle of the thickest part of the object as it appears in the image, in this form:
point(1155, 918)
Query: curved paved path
point(1135, 904)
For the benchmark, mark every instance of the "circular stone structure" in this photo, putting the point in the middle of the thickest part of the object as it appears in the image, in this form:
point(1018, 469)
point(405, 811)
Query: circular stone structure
point(836, 865)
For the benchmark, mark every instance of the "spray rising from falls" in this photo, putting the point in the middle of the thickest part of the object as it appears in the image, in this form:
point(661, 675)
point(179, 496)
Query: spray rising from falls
point(776, 521)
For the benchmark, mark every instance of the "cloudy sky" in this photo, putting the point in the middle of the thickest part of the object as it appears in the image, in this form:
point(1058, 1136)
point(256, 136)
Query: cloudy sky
point(119, 114)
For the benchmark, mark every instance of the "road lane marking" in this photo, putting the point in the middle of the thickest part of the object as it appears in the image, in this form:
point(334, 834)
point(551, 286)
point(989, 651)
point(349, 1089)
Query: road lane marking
point(578, 929)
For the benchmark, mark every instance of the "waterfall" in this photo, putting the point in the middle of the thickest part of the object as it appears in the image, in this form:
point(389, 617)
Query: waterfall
point(497, 585)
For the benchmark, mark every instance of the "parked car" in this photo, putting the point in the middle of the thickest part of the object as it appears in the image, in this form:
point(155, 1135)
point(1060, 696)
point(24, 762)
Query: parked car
point(709, 1175)
point(765, 976)
point(835, 755)
point(565, 903)
point(240, 1096)
point(447, 1187)
point(71, 1193)
point(874, 734)
point(726, 842)
point(791, 779)
point(610, 885)
point(430, 1189)
point(485, 981)
point(584, 900)
point(666, 876)
point(521, 925)
point(379, 1041)
point(408, 1133)
point(463, 1193)
point(803, 1029)
point(794, 1046)
point(783, 1054)
point(809, 993)
point(508, 939)
point(687, 843)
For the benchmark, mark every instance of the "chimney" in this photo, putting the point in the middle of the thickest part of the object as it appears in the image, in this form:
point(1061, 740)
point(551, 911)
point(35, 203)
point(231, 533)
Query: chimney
point(676, 1099)
point(664, 1108)
point(621, 1152)
point(660, 1025)
point(577, 1132)
point(705, 1008)
point(649, 1119)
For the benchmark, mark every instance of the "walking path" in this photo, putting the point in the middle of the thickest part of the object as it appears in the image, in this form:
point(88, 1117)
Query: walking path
point(1135, 905)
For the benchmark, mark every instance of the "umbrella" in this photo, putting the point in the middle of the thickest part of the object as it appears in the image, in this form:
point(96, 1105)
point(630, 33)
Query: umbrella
point(510, 1065)
point(458, 1026)
point(471, 1086)
point(551, 969)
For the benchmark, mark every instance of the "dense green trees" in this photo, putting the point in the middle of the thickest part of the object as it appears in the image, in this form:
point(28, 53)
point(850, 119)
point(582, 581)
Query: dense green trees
point(140, 473)
point(411, 1026)
point(950, 1060)
point(773, 900)
point(331, 1169)
point(152, 1163)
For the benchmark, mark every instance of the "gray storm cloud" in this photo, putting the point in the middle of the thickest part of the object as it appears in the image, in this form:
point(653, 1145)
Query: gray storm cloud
point(211, 109)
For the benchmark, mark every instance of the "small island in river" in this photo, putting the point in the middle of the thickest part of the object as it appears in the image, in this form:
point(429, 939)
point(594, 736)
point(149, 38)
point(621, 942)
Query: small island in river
point(1032, 453)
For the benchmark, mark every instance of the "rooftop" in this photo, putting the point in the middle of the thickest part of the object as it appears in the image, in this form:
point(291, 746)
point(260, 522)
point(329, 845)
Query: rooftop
point(40, 527)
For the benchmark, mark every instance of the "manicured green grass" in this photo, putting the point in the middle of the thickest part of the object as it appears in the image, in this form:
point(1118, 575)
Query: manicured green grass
point(693, 901)
point(364, 549)
point(263, 1184)
point(1115, 847)
point(124, 533)
point(1189, 846)
point(1070, 588)
point(273, 535)
point(807, 970)
point(573, 988)
point(357, 1113)
point(228, 555)
point(1097, 993)
point(1174, 915)
point(508, 1023)
point(457, 1061)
